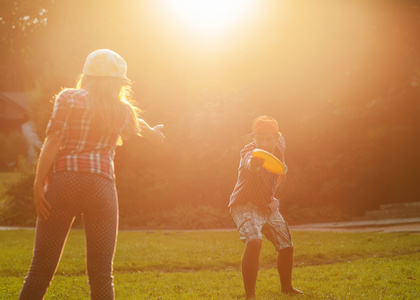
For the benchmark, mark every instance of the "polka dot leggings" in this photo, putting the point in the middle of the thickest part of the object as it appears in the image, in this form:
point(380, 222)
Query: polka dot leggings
point(69, 194)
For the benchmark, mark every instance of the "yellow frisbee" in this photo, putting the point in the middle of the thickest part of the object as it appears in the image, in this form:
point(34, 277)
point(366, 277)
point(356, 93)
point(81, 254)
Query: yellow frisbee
point(271, 162)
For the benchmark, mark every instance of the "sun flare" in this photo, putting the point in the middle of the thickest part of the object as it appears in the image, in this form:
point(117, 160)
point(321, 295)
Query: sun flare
point(210, 16)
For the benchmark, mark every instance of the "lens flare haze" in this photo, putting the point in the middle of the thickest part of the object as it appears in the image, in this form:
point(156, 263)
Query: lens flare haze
point(210, 16)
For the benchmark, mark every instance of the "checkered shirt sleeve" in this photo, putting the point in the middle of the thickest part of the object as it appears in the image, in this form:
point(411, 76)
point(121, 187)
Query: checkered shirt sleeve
point(258, 188)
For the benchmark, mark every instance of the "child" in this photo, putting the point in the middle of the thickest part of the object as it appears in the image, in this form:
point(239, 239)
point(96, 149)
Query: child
point(255, 210)
point(75, 173)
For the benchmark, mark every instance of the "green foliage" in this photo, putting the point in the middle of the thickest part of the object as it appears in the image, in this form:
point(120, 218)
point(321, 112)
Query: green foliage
point(13, 146)
point(7, 178)
point(17, 204)
point(188, 217)
point(40, 102)
point(22, 22)
point(344, 89)
point(206, 265)
point(17, 208)
point(307, 215)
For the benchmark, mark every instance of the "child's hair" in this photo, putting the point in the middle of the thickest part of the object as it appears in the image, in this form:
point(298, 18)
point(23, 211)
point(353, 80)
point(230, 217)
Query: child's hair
point(110, 97)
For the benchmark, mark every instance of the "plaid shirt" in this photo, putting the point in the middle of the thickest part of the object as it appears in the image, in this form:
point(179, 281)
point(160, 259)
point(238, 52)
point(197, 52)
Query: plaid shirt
point(257, 188)
point(84, 149)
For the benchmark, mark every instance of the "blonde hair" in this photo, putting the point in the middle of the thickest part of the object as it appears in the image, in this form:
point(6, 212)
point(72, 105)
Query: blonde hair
point(111, 99)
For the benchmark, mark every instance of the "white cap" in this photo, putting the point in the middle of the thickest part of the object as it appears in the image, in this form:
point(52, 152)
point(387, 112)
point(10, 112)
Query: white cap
point(105, 63)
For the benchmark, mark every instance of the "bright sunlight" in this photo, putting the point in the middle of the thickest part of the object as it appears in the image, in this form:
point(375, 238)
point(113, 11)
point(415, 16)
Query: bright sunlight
point(210, 16)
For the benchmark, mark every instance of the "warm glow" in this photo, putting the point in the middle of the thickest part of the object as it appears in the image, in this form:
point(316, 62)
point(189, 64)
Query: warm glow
point(210, 16)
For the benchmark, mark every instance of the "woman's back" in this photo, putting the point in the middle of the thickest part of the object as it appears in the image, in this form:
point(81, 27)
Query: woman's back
point(87, 145)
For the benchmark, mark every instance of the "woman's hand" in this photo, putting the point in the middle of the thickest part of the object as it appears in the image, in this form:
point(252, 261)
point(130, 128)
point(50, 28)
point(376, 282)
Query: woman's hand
point(52, 145)
point(153, 134)
point(158, 137)
point(43, 207)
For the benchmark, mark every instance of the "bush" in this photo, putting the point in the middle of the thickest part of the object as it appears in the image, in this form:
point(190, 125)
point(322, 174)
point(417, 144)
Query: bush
point(12, 147)
point(297, 215)
point(190, 217)
point(17, 206)
point(17, 209)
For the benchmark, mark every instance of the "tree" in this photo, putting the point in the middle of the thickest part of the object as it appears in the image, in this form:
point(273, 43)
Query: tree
point(341, 77)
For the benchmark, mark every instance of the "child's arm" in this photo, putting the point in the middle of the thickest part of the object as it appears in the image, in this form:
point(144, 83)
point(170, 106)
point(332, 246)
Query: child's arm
point(254, 164)
point(152, 134)
point(282, 179)
point(47, 156)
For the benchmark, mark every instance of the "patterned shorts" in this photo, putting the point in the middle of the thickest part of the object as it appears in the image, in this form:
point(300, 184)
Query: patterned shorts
point(252, 221)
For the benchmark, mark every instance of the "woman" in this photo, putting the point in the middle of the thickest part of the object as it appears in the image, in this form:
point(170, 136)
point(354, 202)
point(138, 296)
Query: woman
point(75, 173)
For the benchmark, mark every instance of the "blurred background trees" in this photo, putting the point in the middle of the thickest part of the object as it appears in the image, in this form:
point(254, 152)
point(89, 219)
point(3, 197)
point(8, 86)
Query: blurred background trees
point(341, 77)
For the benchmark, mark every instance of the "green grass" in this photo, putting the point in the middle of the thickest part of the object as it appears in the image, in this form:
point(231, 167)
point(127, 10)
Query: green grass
point(206, 265)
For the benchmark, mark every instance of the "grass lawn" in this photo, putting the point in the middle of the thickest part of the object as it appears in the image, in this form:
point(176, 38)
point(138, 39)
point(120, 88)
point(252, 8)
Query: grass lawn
point(206, 265)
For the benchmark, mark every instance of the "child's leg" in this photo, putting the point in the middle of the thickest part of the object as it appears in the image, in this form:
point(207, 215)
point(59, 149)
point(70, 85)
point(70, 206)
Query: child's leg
point(250, 266)
point(249, 221)
point(100, 216)
point(277, 231)
point(285, 267)
point(49, 242)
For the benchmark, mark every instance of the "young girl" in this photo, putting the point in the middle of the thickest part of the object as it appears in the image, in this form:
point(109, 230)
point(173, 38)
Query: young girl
point(75, 173)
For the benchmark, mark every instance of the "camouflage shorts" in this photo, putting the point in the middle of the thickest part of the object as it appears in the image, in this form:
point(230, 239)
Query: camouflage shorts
point(253, 221)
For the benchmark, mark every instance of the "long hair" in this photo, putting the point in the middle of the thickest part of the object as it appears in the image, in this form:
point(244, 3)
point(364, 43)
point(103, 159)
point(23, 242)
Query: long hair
point(110, 98)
